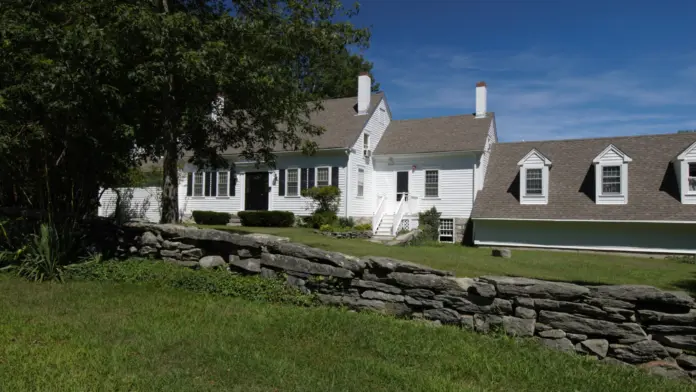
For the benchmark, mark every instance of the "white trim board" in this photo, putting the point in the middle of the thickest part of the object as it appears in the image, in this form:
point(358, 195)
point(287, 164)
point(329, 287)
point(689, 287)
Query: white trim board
point(589, 248)
point(588, 220)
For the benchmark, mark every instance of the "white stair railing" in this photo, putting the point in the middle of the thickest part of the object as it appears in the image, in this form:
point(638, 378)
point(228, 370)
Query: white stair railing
point(400, 211)
point(379, 214)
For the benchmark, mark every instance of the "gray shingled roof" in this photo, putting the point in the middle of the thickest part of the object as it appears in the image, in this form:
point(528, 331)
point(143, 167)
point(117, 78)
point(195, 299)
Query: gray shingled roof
point(342, 125)
point(653, 194)
point(440, 134)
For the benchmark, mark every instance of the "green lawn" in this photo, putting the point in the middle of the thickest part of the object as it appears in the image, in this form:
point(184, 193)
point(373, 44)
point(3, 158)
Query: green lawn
point(92, 336)
point(465, 261)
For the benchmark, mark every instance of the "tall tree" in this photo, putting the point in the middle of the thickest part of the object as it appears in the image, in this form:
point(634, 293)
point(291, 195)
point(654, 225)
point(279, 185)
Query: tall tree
point(335, 76)
point(62, 136)
point(187, 54)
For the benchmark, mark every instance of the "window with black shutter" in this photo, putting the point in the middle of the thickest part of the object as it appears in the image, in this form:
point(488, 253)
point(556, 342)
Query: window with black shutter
point(281, 182)
point(207, 184)
point(304, 180)
point(213, 184)
point(334, 176)
point(233, 183)
point(189, 184)
point(310, 180)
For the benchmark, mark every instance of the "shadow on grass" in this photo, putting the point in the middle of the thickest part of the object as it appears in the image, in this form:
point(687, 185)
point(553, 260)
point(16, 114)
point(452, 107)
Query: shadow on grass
point(688, 285)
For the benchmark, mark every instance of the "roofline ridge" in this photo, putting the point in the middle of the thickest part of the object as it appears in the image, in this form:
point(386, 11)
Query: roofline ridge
point(594, 138)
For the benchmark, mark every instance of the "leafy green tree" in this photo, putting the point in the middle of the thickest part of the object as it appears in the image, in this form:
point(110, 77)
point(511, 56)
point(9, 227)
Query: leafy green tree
point(255, 56)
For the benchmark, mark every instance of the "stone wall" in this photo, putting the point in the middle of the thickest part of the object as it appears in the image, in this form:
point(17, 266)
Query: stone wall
point(637, 325)
point(355, 234)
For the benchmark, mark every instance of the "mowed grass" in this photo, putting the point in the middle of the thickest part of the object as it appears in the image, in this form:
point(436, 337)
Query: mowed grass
point(90, 336)
point(467, 261)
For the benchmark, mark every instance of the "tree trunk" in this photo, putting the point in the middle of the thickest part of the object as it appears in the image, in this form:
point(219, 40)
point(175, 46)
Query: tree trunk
point(170, 187)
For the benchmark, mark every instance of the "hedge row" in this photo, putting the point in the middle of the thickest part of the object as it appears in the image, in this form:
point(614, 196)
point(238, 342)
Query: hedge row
point(267, 218)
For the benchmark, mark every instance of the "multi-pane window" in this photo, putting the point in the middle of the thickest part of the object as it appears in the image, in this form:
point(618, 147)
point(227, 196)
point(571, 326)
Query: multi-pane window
point(198, 184)
point(611, 179)
point(222, 185)
point(361, 182)
point(366, 142)
point(534, 185)
point(446, 230)
point(323, 176)
point(293, 182)
point(431, 183)
point(692, 177)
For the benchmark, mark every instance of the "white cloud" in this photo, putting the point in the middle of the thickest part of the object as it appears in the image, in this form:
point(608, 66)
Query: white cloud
point(540, 96)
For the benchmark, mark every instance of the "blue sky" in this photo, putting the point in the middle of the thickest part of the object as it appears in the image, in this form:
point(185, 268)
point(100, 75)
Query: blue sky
point(555, 69)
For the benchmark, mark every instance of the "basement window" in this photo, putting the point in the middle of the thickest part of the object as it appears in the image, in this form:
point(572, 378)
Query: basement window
point(446, 230)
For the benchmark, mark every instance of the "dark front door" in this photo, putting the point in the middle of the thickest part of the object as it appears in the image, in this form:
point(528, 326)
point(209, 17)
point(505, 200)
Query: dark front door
point(256, 195)
point(401, 184)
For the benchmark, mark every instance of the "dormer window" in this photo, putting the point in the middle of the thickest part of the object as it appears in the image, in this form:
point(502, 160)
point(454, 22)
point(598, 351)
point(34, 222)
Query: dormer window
point(534, 178)
point(534, 183)
point(685, 169)
point(611, 180)
point(611, 176)
point(692, 177)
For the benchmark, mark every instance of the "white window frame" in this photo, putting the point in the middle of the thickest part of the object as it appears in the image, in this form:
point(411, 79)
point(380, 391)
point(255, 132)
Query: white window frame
point(287, 181)
point(682, 164)
point(613, 178)
point(360, 192)
point(446, 233)
point(527, 171)
point(366, 142)
point(425, 183)
point(534, 160)
point(226, 189)
point(611, 156)
point(197, 182)
point(382, 116)
point(689, 177)
point(316, 175)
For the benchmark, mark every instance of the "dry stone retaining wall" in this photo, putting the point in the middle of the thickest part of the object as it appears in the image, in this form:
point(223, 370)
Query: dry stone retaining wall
point(629, 324)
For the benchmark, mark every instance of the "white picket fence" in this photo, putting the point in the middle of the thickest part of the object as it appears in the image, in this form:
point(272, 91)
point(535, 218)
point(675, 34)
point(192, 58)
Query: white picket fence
point(145, 202)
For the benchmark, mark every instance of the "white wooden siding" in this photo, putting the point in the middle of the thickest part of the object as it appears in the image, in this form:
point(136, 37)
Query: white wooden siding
point(482, 168)
point(455, 179)
point(608, 236)
point(296, 204)
point(145, 201)
point(375, 127)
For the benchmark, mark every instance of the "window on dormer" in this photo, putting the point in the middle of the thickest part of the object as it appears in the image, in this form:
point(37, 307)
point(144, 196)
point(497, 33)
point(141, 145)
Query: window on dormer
point(534, 183)
point(692, 177)
point(611, 180)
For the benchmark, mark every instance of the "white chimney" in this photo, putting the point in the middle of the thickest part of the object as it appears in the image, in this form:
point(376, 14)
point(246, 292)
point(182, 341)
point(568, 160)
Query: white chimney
point(481, 99)
point(364, 87)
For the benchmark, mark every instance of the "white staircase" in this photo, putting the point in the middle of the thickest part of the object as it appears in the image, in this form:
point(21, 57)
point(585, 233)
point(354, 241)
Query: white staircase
point(384, 228)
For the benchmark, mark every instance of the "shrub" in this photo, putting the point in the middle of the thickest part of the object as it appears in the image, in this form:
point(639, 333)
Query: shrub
point(327, 198)
point(50, 250)
point(162, 274)
point(346, 222)
point(364, 227)
point(321, 218)
point(429, 223)
point(211, 217)
point(326, 228)
point(267, 218)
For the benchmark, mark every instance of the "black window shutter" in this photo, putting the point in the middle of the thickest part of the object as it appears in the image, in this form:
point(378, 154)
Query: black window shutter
point(207, 184)
point(303, 180)
point(189, 184)
point(334, 176)
point(213, 184)
point(232, 183)
point(310, 177)
point(281, 182)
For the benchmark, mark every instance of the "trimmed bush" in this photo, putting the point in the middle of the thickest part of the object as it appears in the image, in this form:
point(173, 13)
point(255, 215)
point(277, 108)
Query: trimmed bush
point(429, 223)
point(267, 218)
point(346, 222)
point(321, 218)
point(364, 227)
point(211, 217)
